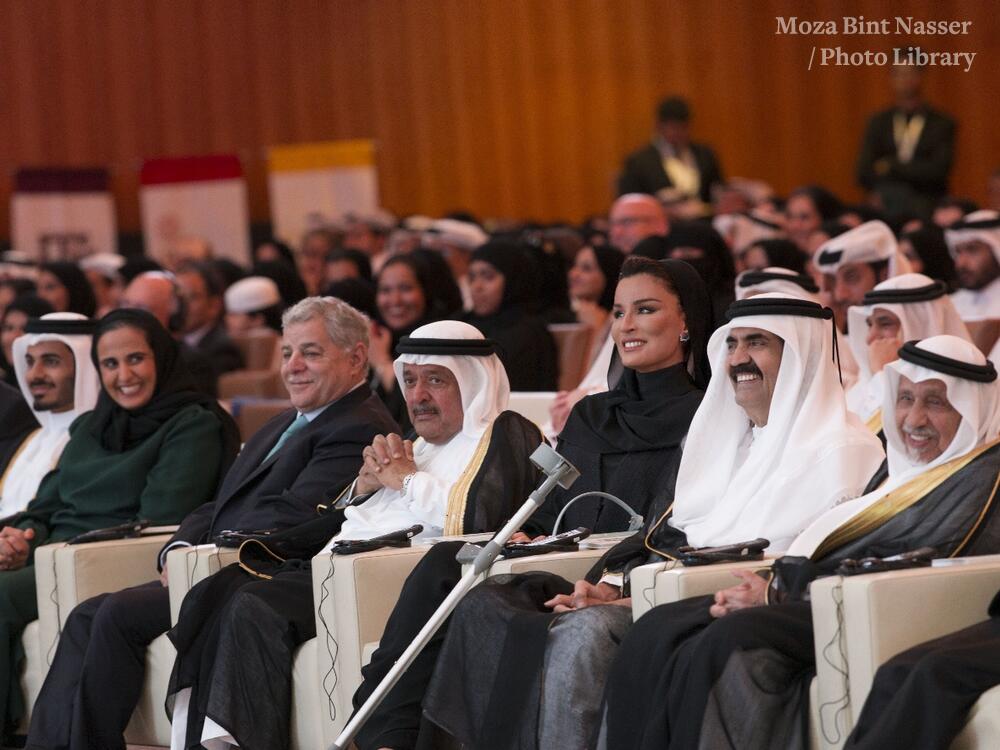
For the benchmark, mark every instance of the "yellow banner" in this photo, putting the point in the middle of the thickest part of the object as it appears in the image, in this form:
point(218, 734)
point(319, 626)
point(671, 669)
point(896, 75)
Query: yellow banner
point(301, 157)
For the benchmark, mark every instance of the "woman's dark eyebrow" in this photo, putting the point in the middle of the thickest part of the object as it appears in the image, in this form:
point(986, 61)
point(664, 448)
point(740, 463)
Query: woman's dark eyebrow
point(645, 299)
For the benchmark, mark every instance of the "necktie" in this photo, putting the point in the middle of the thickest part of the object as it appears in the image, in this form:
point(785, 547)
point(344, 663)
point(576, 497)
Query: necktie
point(294, 427)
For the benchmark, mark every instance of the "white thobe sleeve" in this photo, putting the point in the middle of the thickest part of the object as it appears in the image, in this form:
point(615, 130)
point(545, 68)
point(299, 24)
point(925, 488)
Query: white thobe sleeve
point(427, 498)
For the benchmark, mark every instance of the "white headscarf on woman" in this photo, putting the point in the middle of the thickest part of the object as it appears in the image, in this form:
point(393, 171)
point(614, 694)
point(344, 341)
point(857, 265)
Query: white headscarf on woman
point(485, 390)
point(41, 450)
point(978, 401)
point(812, 453)
point(924, 310)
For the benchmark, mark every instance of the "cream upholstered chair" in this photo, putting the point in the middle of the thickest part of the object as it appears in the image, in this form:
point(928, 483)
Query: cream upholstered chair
point(884, 614)
point(353, 595)
point(186, 566)
point(532, 405)
point(667, 582)
point(259, 349)
point(67, 574)
point(859, 623)
point(573, 346)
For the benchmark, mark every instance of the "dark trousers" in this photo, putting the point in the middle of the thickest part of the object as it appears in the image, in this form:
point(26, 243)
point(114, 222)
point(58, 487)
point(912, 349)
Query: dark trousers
point(397, 721)
point(18, 607)
point(96, 677)
point(921, 697)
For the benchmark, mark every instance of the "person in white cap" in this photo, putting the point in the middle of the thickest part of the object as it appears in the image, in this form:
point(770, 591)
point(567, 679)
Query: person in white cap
point(904, 308)
point(731, 671)
point(59, 381)
point(103, 272)
point(974, 244)
point(779, 280)
point(467, 471)
point(456, 240)
point(852, 263)
point(253, 304)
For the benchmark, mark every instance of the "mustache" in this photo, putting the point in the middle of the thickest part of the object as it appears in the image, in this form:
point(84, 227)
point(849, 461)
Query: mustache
point(40, 381)
point(920, 432)
point(419, 411)
point(748, 368)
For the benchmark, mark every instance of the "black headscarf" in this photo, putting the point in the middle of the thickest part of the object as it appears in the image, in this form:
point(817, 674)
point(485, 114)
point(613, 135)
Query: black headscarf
point(716, 267)
point(358, 293)
point(119, 429)
point(289, 283)
point(609, 260)
point(782, 253)
point(929, 243)
point(81, 294)
point(31, 305)
point(433, 271)
point(519, 269)
point(432, 311)
point(647, 411)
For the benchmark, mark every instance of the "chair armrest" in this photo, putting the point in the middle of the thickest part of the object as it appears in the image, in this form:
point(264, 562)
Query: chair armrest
point(67, 574)
point(186, 566)
point(667, 582)
point(886, 613)
point(353, 596)
point(832, 709)
point(570, 565)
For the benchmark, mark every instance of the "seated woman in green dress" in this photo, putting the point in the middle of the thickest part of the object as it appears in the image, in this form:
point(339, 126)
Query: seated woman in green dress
point(153, 449)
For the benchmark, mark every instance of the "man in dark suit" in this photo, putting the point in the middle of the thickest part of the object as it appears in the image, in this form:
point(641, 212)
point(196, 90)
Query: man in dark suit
point(672, 161)
point(300, 459)
point(201, 288)
point(907, 150)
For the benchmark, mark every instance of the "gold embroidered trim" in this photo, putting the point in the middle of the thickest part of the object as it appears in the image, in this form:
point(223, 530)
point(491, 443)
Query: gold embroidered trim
point(653, 530)
point(979, 521)
point(874, 422)
point(18, 452)
point(896, 502)
point(248, 569)
point(458, 498)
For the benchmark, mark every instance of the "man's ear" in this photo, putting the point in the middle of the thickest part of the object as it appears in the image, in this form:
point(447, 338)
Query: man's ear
point(359, 356)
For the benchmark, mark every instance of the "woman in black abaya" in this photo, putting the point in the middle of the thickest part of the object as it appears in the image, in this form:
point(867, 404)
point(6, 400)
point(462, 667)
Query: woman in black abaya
point(625, 441)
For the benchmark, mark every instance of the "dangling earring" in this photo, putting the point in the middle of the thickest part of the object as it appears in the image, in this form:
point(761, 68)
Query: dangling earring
point(685, 336)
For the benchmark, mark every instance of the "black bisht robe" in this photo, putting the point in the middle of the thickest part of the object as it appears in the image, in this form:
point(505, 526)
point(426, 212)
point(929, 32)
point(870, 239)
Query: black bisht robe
point(508, 613)
point(683, 678)
point(273, 584)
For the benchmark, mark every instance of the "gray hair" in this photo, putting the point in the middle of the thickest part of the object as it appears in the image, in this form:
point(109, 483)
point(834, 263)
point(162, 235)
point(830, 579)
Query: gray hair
point(344, 325)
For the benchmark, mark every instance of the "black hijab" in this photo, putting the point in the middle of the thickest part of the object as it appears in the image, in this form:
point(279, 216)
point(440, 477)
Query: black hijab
point(782, 253)
point(445, 298)
point(119, 429)
point(609, 260)
point(519, 269)
point(81, 294)
point(648, 411)
point(929, 243)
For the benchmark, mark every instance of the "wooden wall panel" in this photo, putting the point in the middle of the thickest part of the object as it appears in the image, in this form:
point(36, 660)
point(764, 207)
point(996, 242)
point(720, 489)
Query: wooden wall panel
point(518, 108)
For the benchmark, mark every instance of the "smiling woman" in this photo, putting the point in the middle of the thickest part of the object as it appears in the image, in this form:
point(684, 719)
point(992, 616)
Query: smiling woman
point(152, 449)
point(127, 366)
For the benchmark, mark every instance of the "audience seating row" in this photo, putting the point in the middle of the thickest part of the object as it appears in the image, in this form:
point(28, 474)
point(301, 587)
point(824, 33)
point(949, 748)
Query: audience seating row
point(859, 622)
